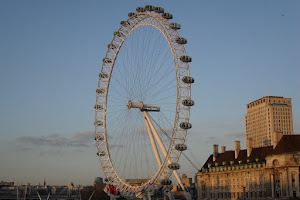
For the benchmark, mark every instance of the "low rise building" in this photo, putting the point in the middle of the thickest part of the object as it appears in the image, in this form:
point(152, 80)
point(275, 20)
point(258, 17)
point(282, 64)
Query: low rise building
point(252, 173)
point(99, 181)
point(189, 186)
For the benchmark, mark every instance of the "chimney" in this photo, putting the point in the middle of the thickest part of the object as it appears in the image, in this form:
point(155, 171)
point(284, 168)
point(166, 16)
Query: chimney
point(216, 152)
point(237, 148)
point(223, 149)
point(276, 137)
point(249, 146)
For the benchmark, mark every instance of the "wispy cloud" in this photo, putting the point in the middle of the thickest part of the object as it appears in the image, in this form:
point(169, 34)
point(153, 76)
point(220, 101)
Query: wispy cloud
point(214, 124)
point(235, 135)
point(211, 138)
point(82, 139)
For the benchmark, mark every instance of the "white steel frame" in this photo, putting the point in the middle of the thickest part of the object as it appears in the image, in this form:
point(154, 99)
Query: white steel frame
point(172, 155)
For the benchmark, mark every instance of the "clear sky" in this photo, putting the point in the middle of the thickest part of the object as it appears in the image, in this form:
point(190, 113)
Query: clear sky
point(50, 57)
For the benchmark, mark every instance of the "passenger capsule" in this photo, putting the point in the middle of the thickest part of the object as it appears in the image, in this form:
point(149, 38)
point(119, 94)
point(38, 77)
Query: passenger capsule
point(111, 46)
point(140, 9)
point(100, 91)
point(186, 59)
point(131, 14)
point(149, 7)
point(174, 166)
point(174, 26)
point(188, 102)
point(100, 153)
point(118, 34)
point(159, 10)
point(98, 107)
point(180, 147)
point(167, 16)
point(185, 125)
point(166, 182)
point(188, 79)
point(181, 40)
point(107, 60)
point(107, 179)
point(98, 123)
point(103, 75)
point(124, 23)
point(99, 138)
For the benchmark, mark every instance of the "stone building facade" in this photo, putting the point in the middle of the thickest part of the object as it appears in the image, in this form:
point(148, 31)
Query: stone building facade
point(254, 173)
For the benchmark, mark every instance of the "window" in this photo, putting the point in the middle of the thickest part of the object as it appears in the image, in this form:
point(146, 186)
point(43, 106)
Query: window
point(293, 180)
point(275, 162)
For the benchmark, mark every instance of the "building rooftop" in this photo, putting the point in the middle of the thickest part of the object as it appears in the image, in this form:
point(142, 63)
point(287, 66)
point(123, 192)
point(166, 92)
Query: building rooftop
point(267, 97)
point(287, 144)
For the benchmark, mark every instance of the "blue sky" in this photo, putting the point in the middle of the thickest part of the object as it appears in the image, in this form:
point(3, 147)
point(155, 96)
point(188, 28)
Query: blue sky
point(50, 57)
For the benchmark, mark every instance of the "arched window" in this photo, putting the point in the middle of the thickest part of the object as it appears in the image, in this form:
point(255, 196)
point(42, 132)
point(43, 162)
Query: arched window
point(275, 162)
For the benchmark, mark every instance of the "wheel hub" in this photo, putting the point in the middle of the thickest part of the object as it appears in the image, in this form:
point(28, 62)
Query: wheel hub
point(142, 106)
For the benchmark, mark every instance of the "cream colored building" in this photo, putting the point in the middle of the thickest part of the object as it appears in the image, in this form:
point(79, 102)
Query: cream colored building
point(270, 172)
point(266, 116)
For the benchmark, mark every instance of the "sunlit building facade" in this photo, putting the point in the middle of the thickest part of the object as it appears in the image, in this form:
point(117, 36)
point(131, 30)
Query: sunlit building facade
point(266, 117)
point(269, 172)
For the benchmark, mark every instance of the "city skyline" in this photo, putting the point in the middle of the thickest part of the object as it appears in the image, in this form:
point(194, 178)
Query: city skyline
point(51, 56)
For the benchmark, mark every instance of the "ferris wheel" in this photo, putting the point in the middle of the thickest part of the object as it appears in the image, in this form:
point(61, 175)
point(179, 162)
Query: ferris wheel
point(143, 104)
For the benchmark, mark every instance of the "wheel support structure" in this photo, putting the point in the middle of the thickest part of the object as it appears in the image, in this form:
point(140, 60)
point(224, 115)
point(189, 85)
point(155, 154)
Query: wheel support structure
point(163, 149)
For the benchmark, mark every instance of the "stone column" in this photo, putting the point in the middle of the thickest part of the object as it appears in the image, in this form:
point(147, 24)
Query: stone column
point(281, 184)
point(297, 186)
point(199, 188)
point(263, 185)
point(287, 183)
point(248, 185)
point(272, 185)
point(290, 184)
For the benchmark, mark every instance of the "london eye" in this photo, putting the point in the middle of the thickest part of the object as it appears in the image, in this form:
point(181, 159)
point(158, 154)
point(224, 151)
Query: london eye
point(143, 103)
